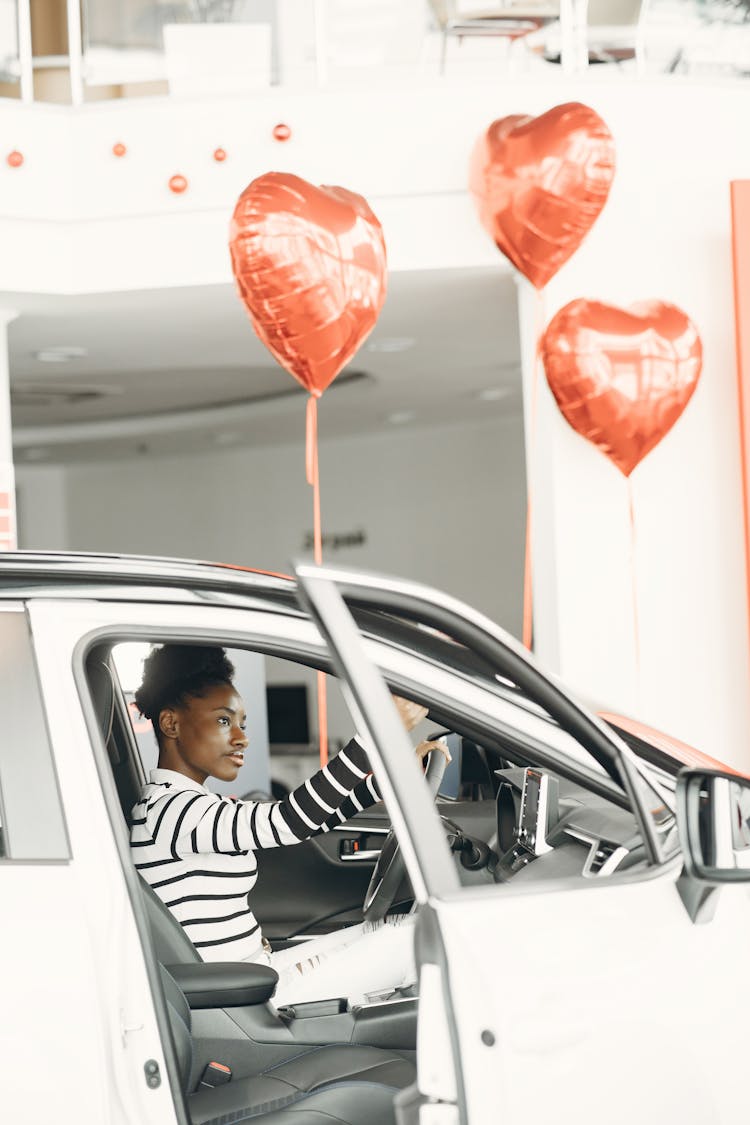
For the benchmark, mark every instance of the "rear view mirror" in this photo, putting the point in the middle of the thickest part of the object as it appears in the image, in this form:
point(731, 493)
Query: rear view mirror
point(713, 815)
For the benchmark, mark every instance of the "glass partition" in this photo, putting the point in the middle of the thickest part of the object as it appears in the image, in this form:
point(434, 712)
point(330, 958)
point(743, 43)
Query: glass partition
point(10, 65)
point(197, 46)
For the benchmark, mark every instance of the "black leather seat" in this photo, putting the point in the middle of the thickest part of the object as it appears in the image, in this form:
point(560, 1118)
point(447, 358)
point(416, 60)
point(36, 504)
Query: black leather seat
point(318, 1087)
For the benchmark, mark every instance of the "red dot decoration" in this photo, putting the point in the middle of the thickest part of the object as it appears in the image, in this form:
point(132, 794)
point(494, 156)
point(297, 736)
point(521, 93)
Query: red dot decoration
point(281, 132)
point(220, 155)
point(178, 184)
point(119, 149)
point(14, 159)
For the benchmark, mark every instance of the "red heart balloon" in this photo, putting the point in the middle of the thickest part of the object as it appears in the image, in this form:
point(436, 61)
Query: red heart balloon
point(622, 377)
point(310, 265)
point(539, 184)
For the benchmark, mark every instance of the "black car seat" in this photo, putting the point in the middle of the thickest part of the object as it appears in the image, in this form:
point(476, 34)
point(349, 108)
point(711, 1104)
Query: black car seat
point(102, 689)
point(315, 1088)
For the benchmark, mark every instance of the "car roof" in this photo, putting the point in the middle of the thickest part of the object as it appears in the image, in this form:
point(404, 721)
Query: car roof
point(74, 574)
point(142, 578)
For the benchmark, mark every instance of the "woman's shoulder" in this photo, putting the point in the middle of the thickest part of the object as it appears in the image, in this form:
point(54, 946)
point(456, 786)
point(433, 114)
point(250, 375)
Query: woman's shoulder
point(156, 794)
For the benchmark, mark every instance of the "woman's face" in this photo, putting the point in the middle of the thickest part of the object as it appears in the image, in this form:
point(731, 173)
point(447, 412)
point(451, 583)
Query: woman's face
point(205, 737)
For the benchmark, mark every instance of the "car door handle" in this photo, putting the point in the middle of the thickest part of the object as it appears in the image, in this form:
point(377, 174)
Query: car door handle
point(358, 848)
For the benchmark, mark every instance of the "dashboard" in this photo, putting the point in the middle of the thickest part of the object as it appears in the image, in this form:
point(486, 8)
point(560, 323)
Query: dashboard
point(539, 827)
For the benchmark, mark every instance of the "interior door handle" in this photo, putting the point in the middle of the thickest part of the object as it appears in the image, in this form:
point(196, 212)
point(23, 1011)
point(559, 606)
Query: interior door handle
point(351, 848)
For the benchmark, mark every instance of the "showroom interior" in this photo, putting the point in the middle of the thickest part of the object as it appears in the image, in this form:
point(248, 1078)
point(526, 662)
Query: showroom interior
point(374, 561)
point(143, 415)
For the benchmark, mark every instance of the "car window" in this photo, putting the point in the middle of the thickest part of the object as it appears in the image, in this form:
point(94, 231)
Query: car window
point(494, 789)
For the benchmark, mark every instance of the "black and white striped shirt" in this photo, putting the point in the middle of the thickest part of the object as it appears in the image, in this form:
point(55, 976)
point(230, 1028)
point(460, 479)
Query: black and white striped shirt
point(196, 849)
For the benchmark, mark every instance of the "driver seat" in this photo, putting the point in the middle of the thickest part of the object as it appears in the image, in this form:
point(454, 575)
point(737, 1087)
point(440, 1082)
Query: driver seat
point(310, 1068)
point(309, 1089)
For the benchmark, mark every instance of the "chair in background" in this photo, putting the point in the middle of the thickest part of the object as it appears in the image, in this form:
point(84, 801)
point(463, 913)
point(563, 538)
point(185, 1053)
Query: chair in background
point(511, 21)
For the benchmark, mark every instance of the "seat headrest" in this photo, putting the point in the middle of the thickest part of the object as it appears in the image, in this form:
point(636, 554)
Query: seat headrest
point(103, 696)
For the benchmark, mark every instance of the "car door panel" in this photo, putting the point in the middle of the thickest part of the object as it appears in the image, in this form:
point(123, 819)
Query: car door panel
point(312, 888)
point(610, 990)
point(90, 994)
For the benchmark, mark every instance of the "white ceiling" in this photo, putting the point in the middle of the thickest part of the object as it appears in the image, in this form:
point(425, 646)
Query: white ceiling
point(165, 364)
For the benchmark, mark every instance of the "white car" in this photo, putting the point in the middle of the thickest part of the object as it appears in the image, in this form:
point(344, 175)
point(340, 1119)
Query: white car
point(582, 914)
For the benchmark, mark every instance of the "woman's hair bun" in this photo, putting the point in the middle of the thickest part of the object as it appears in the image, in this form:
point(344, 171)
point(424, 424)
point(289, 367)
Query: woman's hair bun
point(173, 673)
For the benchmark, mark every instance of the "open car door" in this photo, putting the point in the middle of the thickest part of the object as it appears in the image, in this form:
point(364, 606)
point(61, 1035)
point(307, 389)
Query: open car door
point(595, 997)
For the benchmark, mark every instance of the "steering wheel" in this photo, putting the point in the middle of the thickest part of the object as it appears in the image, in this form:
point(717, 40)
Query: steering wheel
point(389, 869)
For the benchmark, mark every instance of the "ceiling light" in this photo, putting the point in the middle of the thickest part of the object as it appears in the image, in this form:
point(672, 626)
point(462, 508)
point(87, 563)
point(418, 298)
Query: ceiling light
point(493, 394)
point(391, 344)
point(62, 353)
point(400, 417)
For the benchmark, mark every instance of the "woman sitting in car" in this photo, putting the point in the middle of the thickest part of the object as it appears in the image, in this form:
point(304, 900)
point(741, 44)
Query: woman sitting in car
point(197, 849)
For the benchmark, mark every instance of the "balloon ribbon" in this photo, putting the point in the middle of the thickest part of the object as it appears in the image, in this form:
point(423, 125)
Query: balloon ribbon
point(313, 478)
point(634, 586)
point(528, 592)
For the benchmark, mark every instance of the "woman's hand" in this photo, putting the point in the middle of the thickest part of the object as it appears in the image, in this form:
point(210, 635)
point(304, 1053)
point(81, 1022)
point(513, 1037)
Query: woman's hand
point(411, 713)
point(411, 716)
point(426, 748)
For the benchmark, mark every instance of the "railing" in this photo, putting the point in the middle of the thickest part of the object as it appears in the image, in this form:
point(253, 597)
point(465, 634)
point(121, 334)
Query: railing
point(114, 48)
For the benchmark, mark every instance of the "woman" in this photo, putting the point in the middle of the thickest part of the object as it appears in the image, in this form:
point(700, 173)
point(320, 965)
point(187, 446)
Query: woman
point(196, 849)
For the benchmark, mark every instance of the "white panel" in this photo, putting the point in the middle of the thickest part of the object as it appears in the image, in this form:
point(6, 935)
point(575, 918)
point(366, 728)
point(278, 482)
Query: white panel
point(604, 1003)
point(437, 1075)
point(217, 58)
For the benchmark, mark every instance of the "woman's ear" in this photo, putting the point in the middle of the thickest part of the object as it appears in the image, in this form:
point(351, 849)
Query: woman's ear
point(168, 722)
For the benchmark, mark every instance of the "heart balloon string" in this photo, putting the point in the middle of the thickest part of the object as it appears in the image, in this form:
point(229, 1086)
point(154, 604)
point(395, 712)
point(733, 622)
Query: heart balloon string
point(634, 592)
point(313, 474)
point(622, 378)
point(310, 267)
point(539, 184)
point(313, 478)
point(528, 567)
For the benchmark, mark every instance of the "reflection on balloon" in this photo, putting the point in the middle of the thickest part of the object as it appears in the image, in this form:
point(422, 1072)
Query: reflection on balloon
point(622, 377)
point(539, 184)
point(310, 265)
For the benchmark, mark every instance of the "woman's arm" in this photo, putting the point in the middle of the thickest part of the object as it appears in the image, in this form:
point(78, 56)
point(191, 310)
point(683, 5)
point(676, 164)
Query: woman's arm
point(367, 793)
point(186, 822)
point(331, 796)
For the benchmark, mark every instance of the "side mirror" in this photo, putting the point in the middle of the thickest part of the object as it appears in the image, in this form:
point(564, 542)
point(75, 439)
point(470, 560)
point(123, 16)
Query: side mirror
point(713, 817)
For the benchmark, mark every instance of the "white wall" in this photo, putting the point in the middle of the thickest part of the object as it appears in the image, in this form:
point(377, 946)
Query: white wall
point(443, 505)
point(42, 508)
